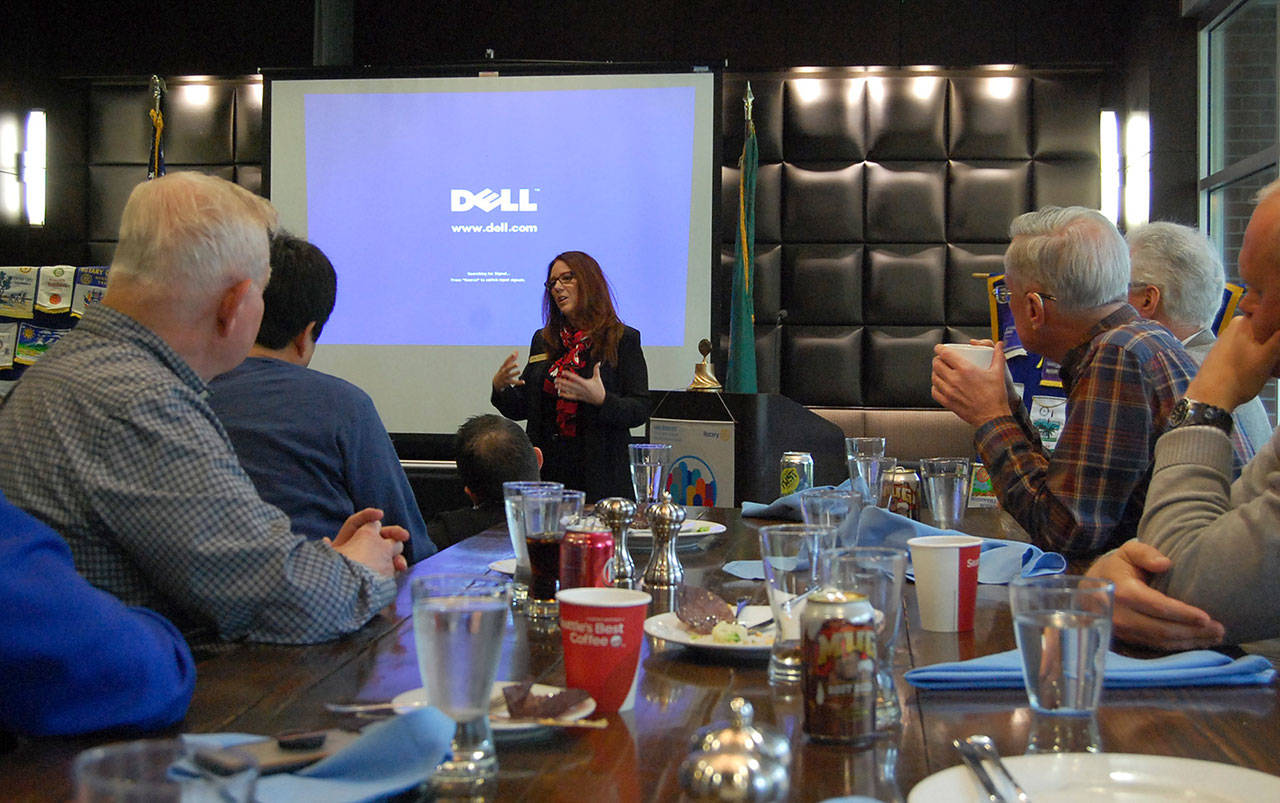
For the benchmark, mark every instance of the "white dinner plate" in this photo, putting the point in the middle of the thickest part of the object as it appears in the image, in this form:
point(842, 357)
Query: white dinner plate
point(1132, 778)
point(689, 529)
point(667, 626)
point(505, 566)
point(499, 719)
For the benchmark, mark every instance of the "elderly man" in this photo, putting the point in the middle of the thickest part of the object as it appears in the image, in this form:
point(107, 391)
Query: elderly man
point(111, 442)
point(1067, 275)
point(1211, 544)
point(491, 450)
point(313, 444)
point(1177, 280)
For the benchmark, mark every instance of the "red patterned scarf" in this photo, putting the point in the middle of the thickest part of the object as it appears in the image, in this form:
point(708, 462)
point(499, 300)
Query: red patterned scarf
point(577, 345)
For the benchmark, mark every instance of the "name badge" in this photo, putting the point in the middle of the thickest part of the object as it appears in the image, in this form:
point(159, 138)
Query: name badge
point(537, 357)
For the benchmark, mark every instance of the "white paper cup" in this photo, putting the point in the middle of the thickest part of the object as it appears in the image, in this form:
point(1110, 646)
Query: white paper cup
point(946, 570)
point(978, 355)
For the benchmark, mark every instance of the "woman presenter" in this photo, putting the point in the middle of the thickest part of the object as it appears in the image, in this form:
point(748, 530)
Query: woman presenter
point(585, 385)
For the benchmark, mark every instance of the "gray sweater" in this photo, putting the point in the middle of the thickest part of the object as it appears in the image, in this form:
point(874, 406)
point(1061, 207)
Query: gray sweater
point(1223, 537)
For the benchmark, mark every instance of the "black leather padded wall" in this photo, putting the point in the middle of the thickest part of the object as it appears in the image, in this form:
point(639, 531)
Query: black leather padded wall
point(879, 195)
point(211, 125)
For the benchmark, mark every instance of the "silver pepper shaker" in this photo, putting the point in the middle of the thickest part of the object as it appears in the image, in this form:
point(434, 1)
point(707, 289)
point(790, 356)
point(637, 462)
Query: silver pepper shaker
point(617, 513)
point(664, 570)
point(738, 762)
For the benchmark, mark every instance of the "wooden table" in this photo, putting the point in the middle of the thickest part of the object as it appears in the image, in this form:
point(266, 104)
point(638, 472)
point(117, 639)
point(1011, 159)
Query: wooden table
point(266, 689)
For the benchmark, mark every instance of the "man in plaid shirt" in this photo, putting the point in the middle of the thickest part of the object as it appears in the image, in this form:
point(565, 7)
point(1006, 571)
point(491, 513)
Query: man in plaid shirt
point(1067, 281)
point(108, 439)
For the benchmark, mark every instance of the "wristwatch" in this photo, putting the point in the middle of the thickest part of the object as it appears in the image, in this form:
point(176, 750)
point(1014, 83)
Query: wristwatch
point(1190, 413)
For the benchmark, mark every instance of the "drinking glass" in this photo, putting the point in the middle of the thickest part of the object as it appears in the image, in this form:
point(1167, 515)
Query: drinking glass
point(158, 770)
point(649, 463)
point(511, 492)
point(543, 533)
point(837, 508)
point(946, 489)
point(572, 504)
point(790, 558)
point(862, 455)
point(1063, 627)
point(458, 621)
point(878, 573)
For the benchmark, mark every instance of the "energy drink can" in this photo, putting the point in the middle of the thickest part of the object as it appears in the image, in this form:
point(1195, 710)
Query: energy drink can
point(795, 472)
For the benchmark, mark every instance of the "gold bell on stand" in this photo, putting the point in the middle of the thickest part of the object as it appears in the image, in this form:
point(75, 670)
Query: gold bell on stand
point(704, 378)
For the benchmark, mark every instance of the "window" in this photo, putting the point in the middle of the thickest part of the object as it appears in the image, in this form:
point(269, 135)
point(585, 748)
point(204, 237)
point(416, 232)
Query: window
point(1238, 126)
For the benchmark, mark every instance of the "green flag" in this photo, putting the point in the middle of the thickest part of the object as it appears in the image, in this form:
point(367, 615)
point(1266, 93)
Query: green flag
point(742, 320)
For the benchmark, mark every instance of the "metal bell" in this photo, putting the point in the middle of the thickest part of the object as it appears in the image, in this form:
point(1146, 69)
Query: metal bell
point(738, 762)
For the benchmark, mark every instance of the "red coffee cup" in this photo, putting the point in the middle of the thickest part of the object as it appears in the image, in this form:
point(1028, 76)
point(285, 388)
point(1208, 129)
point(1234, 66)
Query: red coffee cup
point(602, 630)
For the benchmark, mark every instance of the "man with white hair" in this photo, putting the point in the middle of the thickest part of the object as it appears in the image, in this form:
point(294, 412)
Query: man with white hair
point(1066, 282)
point(1211, 544)
point(1177, 280)
point(111, 443)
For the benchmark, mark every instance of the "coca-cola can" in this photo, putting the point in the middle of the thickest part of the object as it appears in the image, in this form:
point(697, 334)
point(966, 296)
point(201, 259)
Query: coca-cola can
point(904, 492)
point(586, 558)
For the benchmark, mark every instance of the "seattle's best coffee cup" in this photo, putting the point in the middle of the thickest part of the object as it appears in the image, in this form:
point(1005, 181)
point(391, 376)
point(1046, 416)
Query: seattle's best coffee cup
point(946, 571)
point(602, 630)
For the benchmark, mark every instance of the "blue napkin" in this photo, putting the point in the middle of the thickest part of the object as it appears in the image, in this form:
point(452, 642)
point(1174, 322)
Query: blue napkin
point(1000, 562)
point(788, 507)
point(1196, 668)
point(389, 757)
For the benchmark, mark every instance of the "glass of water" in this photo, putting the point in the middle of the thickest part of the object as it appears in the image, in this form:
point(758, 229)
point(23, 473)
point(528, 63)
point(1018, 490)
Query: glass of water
point(837, 508)
point(458, 621)
point(1063, 626)
point(790, 553)
point(512, 493)
point(649, 463)
point(946, 489)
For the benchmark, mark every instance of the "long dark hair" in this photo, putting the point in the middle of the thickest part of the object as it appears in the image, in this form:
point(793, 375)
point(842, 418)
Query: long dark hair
point(595, 309)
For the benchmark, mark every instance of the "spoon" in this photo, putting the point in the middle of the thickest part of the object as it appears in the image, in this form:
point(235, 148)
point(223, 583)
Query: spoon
point(971, 759)
point(984, 746)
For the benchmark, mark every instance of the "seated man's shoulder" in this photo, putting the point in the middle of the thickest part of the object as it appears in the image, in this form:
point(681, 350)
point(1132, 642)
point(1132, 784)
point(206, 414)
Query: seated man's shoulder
point(1145, 339)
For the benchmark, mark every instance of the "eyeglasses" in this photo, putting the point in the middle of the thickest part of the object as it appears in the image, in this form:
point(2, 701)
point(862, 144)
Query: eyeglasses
point(1003, 295)
point(564, 278)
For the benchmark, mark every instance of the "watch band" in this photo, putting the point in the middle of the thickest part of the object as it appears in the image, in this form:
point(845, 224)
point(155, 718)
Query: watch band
point(1189, 413)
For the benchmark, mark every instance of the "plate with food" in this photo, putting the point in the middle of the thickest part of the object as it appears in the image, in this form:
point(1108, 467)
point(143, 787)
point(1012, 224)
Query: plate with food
point(691, 528)
point(512, 701)
point(703, 620)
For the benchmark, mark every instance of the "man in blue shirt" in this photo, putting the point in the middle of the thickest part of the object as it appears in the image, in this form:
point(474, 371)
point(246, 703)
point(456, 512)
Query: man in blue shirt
point(75, 659)
point(313, 444)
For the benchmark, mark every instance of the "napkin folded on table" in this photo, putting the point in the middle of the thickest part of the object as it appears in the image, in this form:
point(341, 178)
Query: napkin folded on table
point(1000, 562)
point(787, 507)
point(1003, 670)
point(388, 757)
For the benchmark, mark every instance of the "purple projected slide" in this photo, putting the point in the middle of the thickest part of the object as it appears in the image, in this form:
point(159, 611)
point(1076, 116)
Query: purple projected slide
point(440, 211)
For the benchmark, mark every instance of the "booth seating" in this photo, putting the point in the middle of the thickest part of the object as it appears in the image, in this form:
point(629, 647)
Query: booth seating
point(910, 434)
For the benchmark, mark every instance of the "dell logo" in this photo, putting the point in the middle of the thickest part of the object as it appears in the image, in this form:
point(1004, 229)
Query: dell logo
point(488, 200)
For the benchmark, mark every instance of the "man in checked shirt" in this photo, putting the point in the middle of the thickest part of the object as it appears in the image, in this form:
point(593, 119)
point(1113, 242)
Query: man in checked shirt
point(1067, 281)
point(109, 440)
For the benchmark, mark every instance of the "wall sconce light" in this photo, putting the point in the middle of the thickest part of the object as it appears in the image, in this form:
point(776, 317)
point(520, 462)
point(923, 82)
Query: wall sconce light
point(23, 168)
point(1109, 167)
point(10, 188)
point(1137, 169)
point(35, 166)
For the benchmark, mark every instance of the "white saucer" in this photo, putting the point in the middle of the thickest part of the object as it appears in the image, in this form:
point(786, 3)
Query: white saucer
point(505, 566)
point(499, 719)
